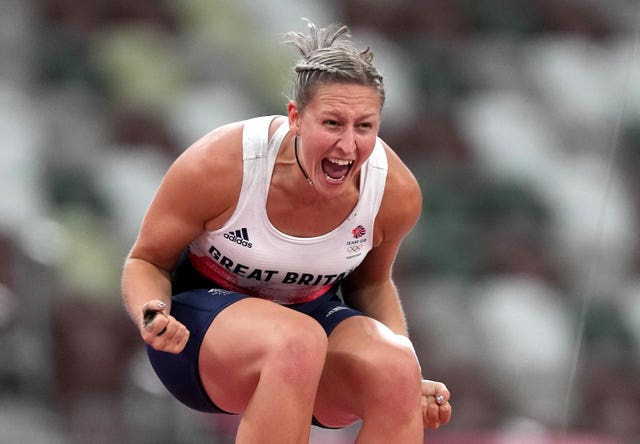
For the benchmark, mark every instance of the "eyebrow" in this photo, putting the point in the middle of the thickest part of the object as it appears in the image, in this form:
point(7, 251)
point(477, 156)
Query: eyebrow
point(333, 113)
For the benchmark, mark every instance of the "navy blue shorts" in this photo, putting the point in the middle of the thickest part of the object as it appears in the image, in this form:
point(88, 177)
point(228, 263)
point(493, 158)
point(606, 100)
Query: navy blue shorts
point(196, 309)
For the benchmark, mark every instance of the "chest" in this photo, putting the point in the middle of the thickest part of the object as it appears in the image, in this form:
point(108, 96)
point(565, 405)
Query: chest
point(308, 218)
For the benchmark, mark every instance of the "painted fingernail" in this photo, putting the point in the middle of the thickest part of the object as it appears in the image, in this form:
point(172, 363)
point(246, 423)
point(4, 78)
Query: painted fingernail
point(161, 305)
point(440, 399)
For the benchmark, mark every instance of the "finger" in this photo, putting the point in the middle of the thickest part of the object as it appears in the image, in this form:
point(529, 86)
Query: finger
point(445, 413)
point(432, 388)
point(181, 342)
point(433, 414)
point(158, 325)
point(437, 390)
point(150, 311)
point(172, 338)
point(429, 412)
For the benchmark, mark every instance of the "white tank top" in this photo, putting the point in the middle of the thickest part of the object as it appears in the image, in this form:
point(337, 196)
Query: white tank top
point(249, 255)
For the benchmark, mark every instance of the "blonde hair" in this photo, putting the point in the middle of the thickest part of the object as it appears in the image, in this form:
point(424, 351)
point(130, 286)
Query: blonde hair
point(328, 56)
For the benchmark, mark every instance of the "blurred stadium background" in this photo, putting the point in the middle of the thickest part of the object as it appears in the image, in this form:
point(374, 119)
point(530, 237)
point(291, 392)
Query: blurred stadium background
point(520, 118)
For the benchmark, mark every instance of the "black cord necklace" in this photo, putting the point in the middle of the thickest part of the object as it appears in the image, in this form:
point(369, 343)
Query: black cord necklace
point(295, 150)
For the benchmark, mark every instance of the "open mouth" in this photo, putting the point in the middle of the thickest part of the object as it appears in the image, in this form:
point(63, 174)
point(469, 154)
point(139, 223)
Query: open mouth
point(335, 170)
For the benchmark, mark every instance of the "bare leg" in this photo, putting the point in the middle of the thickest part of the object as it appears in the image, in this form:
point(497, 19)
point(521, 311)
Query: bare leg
point(266, 361)
point(372, 374)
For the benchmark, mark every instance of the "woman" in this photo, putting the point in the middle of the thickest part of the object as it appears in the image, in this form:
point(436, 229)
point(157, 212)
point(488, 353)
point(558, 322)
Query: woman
point(261, 276)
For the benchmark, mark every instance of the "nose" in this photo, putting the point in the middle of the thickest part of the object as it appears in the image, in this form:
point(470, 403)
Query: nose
point(347, 142)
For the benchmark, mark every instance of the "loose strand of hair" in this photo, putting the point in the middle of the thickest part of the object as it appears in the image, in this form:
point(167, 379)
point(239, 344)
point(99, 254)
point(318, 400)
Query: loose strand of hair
point(317, 38)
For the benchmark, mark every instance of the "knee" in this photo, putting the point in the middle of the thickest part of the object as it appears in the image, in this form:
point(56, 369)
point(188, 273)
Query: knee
point(298, 350)
point(395, 377)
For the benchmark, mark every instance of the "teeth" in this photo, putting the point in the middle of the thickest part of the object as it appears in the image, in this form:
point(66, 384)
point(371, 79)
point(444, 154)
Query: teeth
point(341, 161)
point(332, 180)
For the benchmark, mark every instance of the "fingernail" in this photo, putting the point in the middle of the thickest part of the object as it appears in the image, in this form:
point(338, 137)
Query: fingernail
point(440, 399)
point(161, 305)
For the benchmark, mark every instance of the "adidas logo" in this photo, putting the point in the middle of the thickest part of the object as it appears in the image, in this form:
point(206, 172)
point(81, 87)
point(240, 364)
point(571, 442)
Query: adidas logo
point(240, 237)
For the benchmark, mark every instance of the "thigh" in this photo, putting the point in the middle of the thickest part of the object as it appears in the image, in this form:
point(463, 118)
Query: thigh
point(364, 364)
point(328, 310)
point(242, 338)
point(180, 373)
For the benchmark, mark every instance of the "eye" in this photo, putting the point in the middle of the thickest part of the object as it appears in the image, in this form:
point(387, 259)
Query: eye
point(331, 123)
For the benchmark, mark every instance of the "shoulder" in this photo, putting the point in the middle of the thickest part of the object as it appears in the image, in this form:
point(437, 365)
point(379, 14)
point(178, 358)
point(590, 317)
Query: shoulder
point(220, 151)
point(402, 200)
point(207, 177)
point(221, 145)
point(399, 178)
point(276, 123)
point(224, 143)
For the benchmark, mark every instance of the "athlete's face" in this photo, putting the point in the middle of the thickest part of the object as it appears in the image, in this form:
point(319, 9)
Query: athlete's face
point(337, 131)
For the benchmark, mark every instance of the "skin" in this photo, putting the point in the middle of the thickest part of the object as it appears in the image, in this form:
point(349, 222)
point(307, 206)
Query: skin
point(258, 354)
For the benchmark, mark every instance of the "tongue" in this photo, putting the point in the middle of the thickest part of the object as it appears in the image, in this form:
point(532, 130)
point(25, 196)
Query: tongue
point(334, 170)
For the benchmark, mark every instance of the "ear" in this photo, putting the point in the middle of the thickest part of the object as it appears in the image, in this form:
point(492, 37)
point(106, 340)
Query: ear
point(294, 117)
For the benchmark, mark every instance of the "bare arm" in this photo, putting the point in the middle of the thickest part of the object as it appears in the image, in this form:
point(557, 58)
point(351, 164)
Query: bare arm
point(198, 192)
point(370, 287)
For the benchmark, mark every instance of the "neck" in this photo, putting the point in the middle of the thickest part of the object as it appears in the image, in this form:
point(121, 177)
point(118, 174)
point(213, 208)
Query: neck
point(295, 150)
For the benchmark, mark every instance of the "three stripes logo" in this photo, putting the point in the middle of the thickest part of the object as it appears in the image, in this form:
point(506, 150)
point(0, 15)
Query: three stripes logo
point(240, 237)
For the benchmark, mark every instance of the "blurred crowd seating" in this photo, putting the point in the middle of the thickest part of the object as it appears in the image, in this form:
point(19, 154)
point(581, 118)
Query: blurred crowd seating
point(520, 119)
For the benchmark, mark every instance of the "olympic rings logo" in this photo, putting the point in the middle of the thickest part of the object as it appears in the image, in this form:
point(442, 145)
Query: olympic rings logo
point(354, 248)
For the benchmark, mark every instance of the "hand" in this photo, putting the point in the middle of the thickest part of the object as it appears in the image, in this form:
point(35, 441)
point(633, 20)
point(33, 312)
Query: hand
point(436, 410)
point(161, 331)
